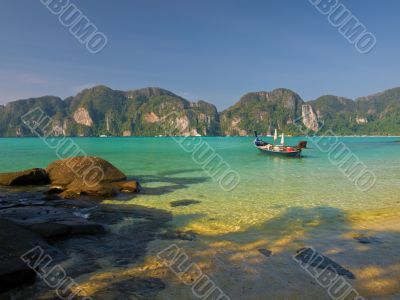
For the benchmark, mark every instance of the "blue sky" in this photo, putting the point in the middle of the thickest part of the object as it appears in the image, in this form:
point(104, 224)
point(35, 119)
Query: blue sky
point(215, 50)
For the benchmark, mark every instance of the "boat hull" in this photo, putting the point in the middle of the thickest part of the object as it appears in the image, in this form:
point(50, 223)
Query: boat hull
point(296, 153)
point(281, 153)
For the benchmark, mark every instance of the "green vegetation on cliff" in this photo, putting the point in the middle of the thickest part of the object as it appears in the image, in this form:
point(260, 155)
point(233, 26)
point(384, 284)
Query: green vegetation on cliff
point(262, 111)
point(155, 111)
point(378, 114)
point(103, 111)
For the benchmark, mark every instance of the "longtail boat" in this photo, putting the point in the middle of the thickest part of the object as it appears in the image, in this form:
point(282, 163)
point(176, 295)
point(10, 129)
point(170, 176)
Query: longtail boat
point(279, 150)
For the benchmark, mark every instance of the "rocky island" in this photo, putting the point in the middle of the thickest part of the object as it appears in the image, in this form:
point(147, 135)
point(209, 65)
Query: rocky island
point(102, 111)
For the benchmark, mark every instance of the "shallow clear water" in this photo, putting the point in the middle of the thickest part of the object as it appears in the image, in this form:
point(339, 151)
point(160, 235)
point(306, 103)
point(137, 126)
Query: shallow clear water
point(268, 186)
point(280, 204)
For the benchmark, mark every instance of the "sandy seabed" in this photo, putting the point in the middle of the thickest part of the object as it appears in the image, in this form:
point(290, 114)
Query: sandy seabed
point(234, 263)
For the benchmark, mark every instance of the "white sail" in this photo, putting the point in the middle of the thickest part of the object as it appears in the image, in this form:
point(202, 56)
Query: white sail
point(275, 136)
point(283, 139)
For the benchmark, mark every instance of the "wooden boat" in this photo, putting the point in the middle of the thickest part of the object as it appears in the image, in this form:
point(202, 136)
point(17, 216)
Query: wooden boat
point(279, 150)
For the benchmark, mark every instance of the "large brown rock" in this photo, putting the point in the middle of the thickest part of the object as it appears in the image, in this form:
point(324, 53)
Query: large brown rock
point(75, 177)
point(88, 176)
point(88, 170)
point(27, 177)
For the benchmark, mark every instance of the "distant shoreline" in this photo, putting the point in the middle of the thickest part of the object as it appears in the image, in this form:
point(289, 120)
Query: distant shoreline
point(206, 136)
point(101, 111)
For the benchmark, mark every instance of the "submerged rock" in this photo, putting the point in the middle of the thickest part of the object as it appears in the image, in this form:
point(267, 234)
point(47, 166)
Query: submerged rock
point(178, 235)
point(27, 177)
point(14, 242)
point(77, 190)
point(363, 239)
point(184, 202)
point(138, 287)
point(70, 227)
point(64, 228)
point(49, 230)
point(49, 221)
point(265, 252)
point(80, 227)
point(312, 258)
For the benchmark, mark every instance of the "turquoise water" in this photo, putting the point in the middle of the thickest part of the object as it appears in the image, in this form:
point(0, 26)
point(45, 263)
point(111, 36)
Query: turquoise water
point(268, 185)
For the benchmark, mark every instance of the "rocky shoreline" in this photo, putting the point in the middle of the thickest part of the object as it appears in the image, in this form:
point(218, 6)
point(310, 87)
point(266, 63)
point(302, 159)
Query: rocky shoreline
point(75, 177)
point(58, 210)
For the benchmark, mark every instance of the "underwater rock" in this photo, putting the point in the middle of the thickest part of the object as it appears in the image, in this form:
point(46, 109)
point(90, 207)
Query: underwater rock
point(183, 202)
point(178, 235)
point(313, 258)
point(137, 287)
point(49, 221)
point(49, 230)
point(13, 270)
point(363, 239)
point(82, 227)
point(265, 252)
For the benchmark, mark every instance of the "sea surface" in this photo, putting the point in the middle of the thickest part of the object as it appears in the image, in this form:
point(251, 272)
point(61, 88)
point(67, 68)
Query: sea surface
point(274, 199)
point(268, 185)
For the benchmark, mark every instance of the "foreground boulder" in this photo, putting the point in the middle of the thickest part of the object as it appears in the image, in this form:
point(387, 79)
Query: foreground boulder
point(27, 177)
point(49, 221)
point(83, 169)
point(75, 177)
point(13, 270)
point(88, 176)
